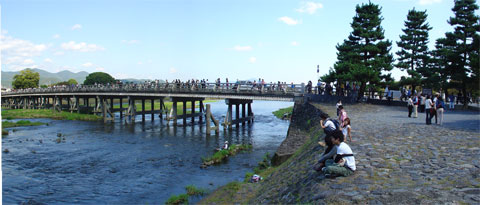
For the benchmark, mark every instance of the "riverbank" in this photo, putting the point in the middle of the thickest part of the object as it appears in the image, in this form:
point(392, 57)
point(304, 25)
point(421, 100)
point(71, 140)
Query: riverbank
point(399, 160)
point(47, 113)
point(284, 113)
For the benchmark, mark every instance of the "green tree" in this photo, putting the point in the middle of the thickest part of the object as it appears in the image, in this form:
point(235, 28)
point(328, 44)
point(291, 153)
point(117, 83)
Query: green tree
point(461, 58)
point(72, 81)
point(365, 54)
point(26, 79)
point(99, 78)
point(413, 55)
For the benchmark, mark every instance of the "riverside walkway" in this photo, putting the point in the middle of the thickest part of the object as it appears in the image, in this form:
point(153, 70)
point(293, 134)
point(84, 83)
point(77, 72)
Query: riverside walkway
point(399, 160)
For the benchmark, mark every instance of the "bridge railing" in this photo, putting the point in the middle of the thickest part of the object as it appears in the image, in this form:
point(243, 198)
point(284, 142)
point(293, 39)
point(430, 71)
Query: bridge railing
point(204, 88)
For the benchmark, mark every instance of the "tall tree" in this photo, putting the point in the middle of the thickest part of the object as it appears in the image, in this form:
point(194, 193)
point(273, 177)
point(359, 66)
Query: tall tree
point(462, 63)
point(26, 79)
point(98, 78)
point(413, 55)
point(365, 54)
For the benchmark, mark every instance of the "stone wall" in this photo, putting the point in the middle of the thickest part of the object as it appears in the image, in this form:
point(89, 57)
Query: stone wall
point(304, 117)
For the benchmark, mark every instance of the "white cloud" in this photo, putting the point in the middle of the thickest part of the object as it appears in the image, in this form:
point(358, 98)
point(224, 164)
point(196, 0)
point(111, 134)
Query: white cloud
point(87, 64)
point(242, 48)
point(288, 20)
point(48, 60)
point(76, 27)
point(82, 47)
point(428, 2)
point(58, 53)
point(17, 53)
point(56, 36)
point(253, 59)
point(173, 70)
point(294, 43)
point(100, 69)
point(309, 7)
point(130, 41)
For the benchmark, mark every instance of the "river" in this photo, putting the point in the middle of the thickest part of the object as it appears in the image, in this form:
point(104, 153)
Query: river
point(117, 163)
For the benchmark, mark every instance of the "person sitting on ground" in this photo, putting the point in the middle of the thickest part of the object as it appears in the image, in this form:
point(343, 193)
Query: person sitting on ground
point(224, 147)
point(344, 163)
point(327, 124)
point(329, 153)
point(346, 129)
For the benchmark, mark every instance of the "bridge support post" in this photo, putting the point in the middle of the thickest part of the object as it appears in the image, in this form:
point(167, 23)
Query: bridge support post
point(229, 116)
point(121, 107)
point(202, 110)
point(243, 113)
point(184, 114)
point(237, 115)
point(130, 110)
point(153, 108)
point(161, 109)
point(174, 109)
point(193, 111)
point(143, 110)
point(208, 118)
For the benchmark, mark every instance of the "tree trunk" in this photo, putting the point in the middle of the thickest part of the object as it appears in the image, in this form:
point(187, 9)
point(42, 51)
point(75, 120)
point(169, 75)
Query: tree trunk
point(465, 99)
point(361, 91)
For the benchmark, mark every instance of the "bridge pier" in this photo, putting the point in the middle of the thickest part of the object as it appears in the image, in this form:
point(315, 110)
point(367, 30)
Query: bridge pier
point(174, 114)
point(246, 117)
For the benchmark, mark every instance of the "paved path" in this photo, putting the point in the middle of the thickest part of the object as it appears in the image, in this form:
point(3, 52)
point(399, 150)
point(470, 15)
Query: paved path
point(400, 160)
point(403, 160)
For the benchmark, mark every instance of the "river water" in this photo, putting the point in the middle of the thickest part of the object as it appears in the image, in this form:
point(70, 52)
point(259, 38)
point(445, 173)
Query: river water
point(117, 163)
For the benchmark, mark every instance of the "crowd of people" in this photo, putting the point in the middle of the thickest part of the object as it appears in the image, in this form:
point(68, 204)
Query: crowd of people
point(337, 159)
point(432, 106)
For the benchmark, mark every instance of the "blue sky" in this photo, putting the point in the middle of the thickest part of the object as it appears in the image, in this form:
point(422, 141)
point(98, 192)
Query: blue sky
point(277, 40)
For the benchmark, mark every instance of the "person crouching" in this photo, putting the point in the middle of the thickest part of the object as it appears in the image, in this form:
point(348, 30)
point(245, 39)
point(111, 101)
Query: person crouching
point(344, 162)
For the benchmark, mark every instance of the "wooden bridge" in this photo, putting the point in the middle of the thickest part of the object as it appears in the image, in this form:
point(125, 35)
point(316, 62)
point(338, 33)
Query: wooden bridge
point(80, 98)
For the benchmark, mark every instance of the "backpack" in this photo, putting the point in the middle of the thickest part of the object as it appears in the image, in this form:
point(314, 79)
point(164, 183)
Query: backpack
point(329, 130)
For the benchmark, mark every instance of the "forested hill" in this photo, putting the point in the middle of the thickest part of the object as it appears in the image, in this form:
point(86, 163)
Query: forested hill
point(46, 78)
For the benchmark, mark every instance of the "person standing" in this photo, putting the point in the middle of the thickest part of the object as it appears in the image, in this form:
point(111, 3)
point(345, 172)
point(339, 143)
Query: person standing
point(415, 106)
point(440, 108)
point(339, 103)
point(434, 107)
point(410, 106)
point(428, 106)
point(422, 102)
point(387, 94)
point(451, 98)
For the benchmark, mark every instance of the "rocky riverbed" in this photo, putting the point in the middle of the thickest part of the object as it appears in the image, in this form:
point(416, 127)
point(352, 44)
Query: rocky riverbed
point(400, 160)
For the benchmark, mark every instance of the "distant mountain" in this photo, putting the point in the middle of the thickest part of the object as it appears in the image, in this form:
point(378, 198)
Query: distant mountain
point(46, 78)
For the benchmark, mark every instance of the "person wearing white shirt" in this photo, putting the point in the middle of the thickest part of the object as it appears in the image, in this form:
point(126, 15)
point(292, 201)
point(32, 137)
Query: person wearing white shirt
point(344, 163)
point(428, 106)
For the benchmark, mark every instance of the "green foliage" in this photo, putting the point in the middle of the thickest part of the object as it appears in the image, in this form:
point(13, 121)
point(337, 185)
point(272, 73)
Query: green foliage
point(44, 113)
point(248, 176)
point(20, 123)
point(365, 54)
point(67, 83)
point(4, 133)
point(413, 55)
point(26, 79)
point(98, 78)
point(219, 156)
point(457, 53)
point(180, 199)
point(263, 165)
point(194, 191)
point(281, 112)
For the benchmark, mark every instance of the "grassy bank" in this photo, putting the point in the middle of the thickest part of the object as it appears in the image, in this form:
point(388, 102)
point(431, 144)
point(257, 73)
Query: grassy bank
point(183, 198)
point(219, 156)
point(287, 112)
point(44, 113)
point(20, 123)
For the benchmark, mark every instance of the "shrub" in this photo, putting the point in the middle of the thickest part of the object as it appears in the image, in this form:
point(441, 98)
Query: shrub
point(180, 199)
point(194, 191)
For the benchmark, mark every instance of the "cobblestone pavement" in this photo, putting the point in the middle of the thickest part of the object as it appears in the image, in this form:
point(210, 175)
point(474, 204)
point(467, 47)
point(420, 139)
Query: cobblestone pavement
point(397, 155)
point(400, 160)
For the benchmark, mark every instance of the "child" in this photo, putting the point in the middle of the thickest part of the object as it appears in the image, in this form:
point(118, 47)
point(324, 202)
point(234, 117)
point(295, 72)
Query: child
point(343, 115)
point(346, 129)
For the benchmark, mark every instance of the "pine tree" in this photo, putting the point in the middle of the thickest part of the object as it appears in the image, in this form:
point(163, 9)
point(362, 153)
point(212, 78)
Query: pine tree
point(462, 59)
point(370, 53)
point(414, 55)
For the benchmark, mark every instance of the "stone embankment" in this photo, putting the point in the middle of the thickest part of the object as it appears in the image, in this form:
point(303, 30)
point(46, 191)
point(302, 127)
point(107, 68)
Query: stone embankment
point(400, 160)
